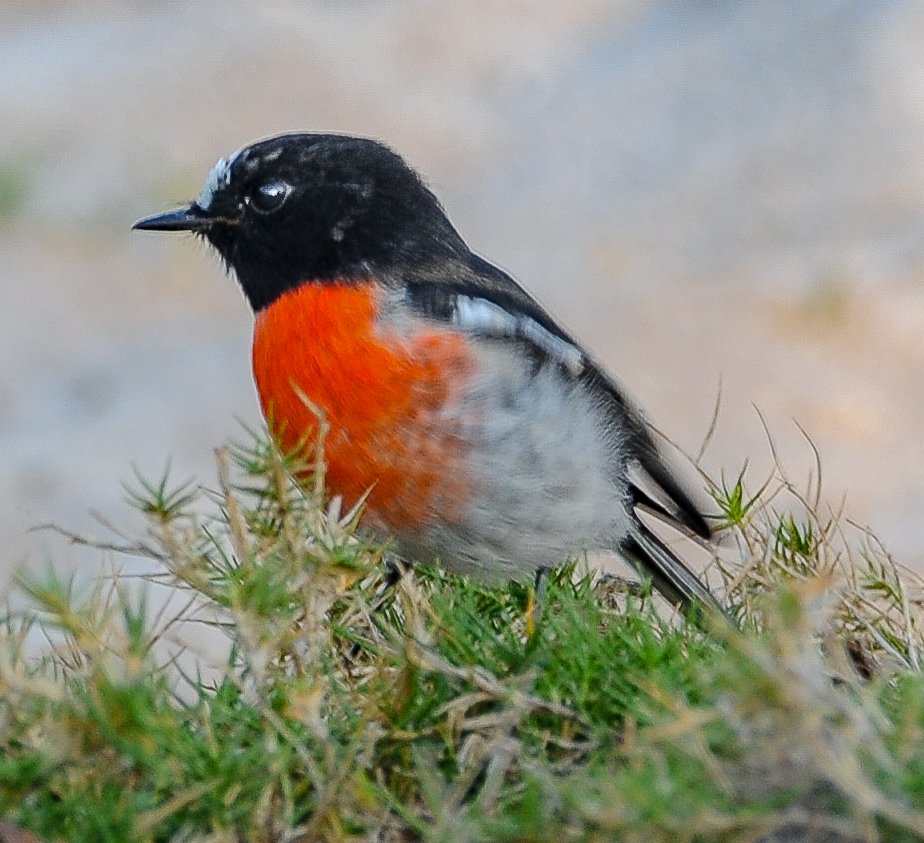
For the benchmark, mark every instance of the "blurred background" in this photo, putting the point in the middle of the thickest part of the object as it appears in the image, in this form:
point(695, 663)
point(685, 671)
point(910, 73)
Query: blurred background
point(702, 191)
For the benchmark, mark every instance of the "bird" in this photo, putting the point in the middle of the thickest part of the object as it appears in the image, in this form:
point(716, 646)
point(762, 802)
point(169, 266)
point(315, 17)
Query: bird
point(474, 430)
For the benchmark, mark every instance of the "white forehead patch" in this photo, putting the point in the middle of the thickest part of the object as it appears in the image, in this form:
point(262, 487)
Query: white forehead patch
point(218, 176)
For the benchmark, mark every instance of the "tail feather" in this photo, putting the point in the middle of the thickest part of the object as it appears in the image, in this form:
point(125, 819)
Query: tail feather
point(668, 574)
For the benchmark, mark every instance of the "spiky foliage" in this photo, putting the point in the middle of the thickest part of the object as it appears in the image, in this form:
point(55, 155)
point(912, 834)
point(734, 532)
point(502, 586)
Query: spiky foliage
point(266, 683)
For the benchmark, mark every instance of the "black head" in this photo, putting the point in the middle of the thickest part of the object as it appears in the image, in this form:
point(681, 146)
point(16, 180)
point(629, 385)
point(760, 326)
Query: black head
point(299, 208)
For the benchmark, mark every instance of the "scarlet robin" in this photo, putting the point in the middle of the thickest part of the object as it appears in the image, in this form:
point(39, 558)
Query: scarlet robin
point(483, 434)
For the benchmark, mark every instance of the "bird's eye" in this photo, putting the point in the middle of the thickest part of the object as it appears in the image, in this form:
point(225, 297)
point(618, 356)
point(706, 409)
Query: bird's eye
point(269, 196)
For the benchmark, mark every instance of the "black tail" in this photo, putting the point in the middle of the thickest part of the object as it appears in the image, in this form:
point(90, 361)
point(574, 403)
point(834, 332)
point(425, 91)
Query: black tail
point(668, 574)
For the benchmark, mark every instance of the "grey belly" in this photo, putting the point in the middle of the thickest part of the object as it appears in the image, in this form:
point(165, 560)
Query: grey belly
point(543, 463)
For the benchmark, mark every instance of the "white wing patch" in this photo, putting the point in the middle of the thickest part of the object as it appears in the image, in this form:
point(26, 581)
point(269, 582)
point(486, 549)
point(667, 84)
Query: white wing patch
point(482, 316)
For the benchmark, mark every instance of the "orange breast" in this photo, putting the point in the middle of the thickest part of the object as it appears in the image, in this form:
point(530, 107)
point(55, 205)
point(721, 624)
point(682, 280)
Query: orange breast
point(384, 397)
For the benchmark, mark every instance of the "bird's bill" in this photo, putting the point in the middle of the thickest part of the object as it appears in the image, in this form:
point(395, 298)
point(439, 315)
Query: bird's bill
point(190, 218)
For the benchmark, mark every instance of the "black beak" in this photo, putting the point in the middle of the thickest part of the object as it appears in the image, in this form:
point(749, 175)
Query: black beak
point(190, 218)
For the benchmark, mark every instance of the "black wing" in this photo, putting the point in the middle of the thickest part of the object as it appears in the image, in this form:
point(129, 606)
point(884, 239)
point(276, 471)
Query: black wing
point(653, 483)
point(485, 299)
